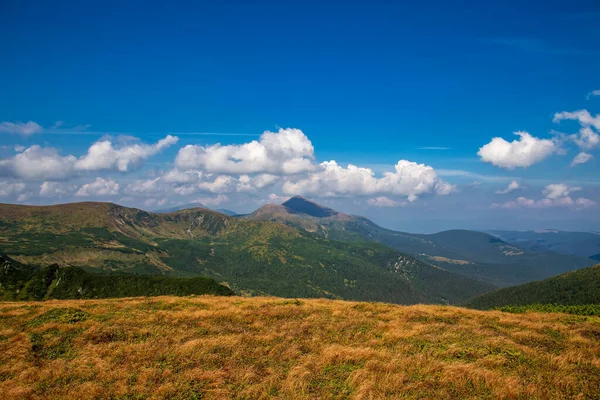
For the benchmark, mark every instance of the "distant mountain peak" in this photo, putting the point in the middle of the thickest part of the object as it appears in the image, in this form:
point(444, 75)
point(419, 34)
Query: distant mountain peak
point(273, 209)
point(302, 205)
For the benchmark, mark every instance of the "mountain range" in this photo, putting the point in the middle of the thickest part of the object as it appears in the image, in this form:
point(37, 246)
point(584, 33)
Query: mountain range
point(477, 255)
point(295, 249)
point(584, 244)
point(195, 205)
point(250, 257)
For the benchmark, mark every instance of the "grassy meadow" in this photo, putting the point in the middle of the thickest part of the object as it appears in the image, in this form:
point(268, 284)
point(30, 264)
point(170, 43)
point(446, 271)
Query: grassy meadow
point(207, 347)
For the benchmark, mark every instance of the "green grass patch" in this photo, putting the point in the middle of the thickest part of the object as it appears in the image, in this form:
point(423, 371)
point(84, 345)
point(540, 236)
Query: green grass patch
point(53, 344)
point(60, 315)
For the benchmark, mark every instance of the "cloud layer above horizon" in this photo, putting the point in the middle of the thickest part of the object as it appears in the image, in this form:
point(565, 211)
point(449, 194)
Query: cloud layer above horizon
point(277, 165)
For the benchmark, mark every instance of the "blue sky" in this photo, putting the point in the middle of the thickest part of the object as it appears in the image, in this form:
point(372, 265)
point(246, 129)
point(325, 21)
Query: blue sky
point(367, 83)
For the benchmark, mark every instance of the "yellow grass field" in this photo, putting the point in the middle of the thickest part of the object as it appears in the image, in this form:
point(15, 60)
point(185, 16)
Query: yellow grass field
point(252, 348)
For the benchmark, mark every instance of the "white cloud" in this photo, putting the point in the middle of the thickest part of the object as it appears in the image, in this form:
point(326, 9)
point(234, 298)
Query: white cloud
point(45, 163)
point(156, 186)
point(21, 128)
point(221, 184)
point(8, 189)
point(287, 151)
point(593, 93)
point(103, 155)
point(585, 202)
point(587, 138)
point(177, 176)
point(409, 179)
point(53, 189)
point(582, 116)
point(212, 201)
point(555, 195)
point(41, 163)
point(581, 158)
point(22, 197)
point(100, 187)
point(277, 199)
point(557, 190)
point(514, 185)
point(523, 152)
point(252, 184)
point(19, 148)
point(383, 201)
point(144, 187)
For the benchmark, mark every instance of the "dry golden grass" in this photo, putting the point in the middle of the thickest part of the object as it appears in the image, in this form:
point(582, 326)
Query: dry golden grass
point(251, 348)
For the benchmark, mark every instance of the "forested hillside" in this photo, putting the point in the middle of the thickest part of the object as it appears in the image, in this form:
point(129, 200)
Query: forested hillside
point(579, 287)
point(251, 257)
point(23, 282)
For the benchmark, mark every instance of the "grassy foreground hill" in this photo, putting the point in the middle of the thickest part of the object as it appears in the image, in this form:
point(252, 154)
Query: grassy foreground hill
point(574, 288)
point(250, 348)
point(477, 255)
point(251, 257)
point(22, 282)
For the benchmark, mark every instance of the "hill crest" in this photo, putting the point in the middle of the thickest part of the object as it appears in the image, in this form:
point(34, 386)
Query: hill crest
point(572, 288)
point(304, 206)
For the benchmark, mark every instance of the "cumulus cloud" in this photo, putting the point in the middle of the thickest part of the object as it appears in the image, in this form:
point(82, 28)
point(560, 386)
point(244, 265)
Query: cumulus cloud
point(100, 187)
point(277, 199)
point(144, 187)
point(178, 176)
point(20, 128)
point(557, 190)
point(582, 116)
point(287, 151)
point(581, 158)
point(19, 148)
point(514, 185)
point(45, 163)
point(104, 155)
point(252, 184)
point(408, 179)
point(9, 189)
point(583, 202)
point(523, 152)
point(555, 195)
point(221, 184)
point(181, 186)
point(41, 163)
point(587, 138)
point(383, 201)
point(53, 189)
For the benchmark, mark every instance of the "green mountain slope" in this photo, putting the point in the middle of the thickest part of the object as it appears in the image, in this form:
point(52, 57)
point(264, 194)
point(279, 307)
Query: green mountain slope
point(250, 256)
point(23, 282)
point(474, 254)
point(572, 288)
